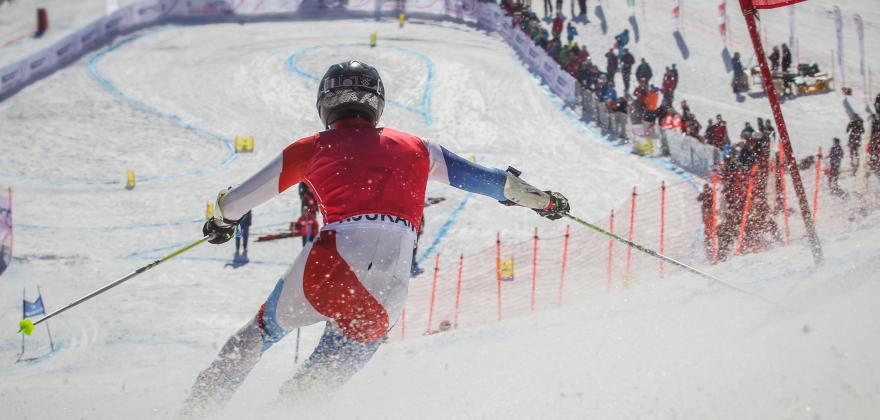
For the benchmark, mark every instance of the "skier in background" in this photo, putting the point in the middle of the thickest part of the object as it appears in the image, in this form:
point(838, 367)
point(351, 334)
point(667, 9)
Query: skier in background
point(370, 184)
point(835, 157)
point(855, 128)
point(244, 228)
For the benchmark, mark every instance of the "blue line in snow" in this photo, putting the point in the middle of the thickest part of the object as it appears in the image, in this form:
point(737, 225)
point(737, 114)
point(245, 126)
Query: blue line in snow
point(444, 229)
point(425, 112)
point(176, 119)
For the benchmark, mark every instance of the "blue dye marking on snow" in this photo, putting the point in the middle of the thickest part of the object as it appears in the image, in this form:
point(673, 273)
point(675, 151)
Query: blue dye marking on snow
point(425, 112)
point(444, 229)
point(176, 119)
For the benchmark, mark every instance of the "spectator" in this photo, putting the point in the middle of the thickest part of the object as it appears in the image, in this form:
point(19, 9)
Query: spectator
point(643, 72)
point(558, 23)
point(874, 146)
point(835, 157)
point(740, 82)
point(855, 128)
point(571, 31)
point(619, 111)
point(710, 129)
point(708, 210)
point(564, 55)
point(307, 199)
point(786, 58)
point(774, 59)
point(611, 66)
point(719, 137)
point(877, 104)
point(622, 39)
point(626, 63)
point(242, 232)
point(674, 71)
point(668, 87)
point(306, 227)
point(747, 132)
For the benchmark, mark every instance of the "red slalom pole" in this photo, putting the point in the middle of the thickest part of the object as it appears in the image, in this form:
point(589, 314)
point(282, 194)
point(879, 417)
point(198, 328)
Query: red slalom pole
point(610, 251)
point(662, 221)
point(433, 292)
point(745, 215)
point(750, 13)
point(714, 237)
point(403, 324)
point(816, 187)
point(629, 250)
point(534, 268)
point(458, 290)
point(784, 200)
point(564, 257)
point(498, 269)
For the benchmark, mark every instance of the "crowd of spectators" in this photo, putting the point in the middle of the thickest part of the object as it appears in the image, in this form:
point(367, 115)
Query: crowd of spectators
point(750, 178)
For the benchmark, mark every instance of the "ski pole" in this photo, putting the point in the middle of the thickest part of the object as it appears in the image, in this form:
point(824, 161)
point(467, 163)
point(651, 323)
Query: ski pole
point(667, 259)
point(26, 326)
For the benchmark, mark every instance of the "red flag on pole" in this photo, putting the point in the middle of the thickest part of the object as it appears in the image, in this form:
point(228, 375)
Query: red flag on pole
point(772, 4)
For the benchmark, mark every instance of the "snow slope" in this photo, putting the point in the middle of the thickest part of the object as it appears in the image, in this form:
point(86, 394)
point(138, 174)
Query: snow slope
point(167, 101)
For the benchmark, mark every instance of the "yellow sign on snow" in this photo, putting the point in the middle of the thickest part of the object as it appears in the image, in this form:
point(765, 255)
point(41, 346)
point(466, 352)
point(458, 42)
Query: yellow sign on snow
point(507, 269)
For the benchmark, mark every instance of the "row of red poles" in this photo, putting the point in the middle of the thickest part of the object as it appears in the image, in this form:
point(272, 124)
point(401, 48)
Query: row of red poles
point(630, 235)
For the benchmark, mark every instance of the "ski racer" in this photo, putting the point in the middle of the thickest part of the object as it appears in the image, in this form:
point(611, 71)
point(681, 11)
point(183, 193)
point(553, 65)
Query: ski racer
point(370, 185)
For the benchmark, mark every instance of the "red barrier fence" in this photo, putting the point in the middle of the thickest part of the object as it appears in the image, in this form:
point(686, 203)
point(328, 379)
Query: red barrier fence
point(587, 264)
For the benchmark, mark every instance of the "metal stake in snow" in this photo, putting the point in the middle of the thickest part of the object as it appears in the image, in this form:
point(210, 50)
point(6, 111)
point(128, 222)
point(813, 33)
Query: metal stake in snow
point(656, 254)
point(27, 327)
point(750, 13)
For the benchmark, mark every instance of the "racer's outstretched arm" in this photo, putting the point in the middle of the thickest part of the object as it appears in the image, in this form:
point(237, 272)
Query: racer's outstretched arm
point(285, 170)
point(504, 186)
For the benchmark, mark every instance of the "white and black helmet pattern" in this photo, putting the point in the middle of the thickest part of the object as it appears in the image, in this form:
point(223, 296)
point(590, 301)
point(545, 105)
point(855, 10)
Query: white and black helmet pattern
point(350, 89)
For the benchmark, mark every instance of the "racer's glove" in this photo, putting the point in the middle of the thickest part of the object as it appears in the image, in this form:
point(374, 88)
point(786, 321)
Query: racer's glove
point(556, 208)
point(220, 231)
point(218, 227)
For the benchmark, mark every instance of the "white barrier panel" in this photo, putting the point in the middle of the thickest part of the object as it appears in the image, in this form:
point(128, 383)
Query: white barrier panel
point(39, 63)
point(12, 76)
point(565, 86)
point(547, 69)
point(688, 153)
point(535, 55)
point(520, 41)
point(5, 228)
point(486, 15)
point(118, 21)
point(198, 8)
point(505, 28)
point(90, 35)
point(146, 13)
point(66, 49)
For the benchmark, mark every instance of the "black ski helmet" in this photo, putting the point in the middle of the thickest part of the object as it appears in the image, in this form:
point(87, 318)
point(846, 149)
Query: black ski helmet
point(349, 89)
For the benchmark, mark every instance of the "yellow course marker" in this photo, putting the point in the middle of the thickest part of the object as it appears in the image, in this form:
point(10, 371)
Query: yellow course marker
point(26, 326)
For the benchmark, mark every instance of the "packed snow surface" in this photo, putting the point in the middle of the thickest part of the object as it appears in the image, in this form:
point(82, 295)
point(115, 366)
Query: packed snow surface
point(166, 101)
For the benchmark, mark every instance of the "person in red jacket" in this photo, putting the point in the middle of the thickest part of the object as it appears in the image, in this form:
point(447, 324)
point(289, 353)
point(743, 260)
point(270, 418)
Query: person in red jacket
point(370, 185)
point(558, 23)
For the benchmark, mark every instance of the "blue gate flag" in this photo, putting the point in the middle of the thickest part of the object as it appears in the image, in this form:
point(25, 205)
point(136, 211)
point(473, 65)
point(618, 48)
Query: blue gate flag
point(33, 308)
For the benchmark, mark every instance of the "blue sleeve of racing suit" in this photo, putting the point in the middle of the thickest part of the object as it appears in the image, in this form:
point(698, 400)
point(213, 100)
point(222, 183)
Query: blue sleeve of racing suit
point(466, 175)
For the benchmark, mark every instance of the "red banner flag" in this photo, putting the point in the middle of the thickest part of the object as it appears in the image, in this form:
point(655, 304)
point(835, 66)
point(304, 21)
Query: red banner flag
point(772, 4)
